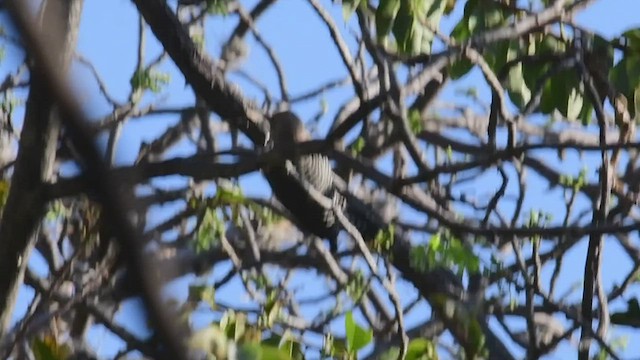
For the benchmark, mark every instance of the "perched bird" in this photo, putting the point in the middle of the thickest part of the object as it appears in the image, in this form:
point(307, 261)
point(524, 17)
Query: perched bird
point(292, 175)
point(286, 131)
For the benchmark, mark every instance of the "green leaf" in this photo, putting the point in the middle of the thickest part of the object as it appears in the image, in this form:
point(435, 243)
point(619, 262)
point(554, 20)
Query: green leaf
point(478, 16)
point(574, 104)
point(218, 7)
point(460, 68)
point(421, 39)
point(636, 105)
point(204, 293)
point(250, 352)
point(631, 39)
point(392, 354)
point(4, 192)
point(148, 79)
point(230, 195)
point(338, 348)
point(210, 340)
point(435, 242)
point(552, 45)
point(449, 6)
point(496, 55)
point(357, 337)
point(419, 258)
point(358, 145)
point(261, 352)
point(532, 74)
point(515, 83)
point(48, 349)
point(209, 232)
point(599, 61)
point(435, 10)
point(198, 40)
point(271, 309)
point(415, 23)
point(274, 339)
point(462, 30)
point(482, 15)
point(476, 338)
point(420, 349)
point(447, 251)
point(385, 14)
point(542, 45)
point(548, 99)
point(233, 324)
point(404, 27)
point(356, 285)
point(563, 93)
point(415, 121)
point(517, 87)
point(625, 77)
point(292, 348)
point(384, 239)
point(348, 8)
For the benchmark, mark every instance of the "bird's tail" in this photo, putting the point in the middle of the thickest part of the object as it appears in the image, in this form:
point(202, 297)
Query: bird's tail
point(370, 223)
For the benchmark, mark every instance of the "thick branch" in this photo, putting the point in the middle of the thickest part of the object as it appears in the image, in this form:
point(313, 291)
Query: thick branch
point(26, 204)
point(199, 71)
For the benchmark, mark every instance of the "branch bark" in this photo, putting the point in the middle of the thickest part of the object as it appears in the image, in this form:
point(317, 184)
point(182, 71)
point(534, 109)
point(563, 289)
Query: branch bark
point(34, 163)
point(200, 71)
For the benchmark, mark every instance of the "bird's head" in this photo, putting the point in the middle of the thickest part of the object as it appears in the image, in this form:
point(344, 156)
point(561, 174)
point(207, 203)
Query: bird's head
point(286, 131)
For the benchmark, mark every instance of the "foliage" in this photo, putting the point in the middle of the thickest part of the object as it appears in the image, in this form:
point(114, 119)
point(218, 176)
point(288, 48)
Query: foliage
point(445, 251)
point(486, 193)
point(4, 192)
point(149, 79)
point(48, 349)
point(357, 336)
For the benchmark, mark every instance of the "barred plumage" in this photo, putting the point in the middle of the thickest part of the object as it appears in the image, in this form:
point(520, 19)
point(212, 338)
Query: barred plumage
point(316, 169)
point(286, 131)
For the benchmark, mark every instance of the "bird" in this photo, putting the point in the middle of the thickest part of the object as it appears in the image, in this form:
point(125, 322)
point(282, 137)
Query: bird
point(286, 132)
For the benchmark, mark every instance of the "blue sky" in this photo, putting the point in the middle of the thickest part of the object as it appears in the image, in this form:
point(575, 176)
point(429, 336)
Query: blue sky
point(108, 38)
